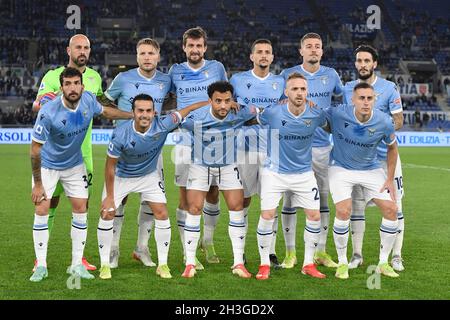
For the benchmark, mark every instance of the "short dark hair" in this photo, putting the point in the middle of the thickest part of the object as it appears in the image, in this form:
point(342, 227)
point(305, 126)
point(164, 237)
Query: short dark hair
point(194, 33)
point(141, 96)
point(369, 49)
point(258, 41)
point(310, 35)
point(295, 75)
point(219, 86)
point(362, 85)
point(70, 72)
point(148, 41)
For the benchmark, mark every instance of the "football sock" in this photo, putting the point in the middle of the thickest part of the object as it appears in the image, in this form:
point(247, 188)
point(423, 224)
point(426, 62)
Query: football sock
point(162, 238)
point(78, 233)
point(104, 237)
point(181, 220)
point(289, 224)
point(145, 223)
point(325, 220)
point(388, 232)
point(311, 237)
point(274, 234)
point(117, 227)
point(358, 225)
point(397, 249)
point(236, 231)
point(264, 236)
point(211, 213)
point(191, 237)
point(40, 239)
point(340, 235)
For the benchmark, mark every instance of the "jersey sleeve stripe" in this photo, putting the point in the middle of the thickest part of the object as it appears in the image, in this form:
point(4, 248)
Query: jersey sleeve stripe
point(108, 96)
point(396, 111)
point(37, 140)
point(112, 156)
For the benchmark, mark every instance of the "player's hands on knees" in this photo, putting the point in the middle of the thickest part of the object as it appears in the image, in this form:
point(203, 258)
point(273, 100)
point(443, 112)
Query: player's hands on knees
point(389, 186)
point(38, 194)
point(108, 208)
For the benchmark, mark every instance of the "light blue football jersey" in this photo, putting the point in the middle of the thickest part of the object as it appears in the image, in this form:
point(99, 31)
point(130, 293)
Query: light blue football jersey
point(62, 131)
point(387, 99)
point(138, 152)
point(214, 139)
point(249, 89)
point(355, 143)
point(321, 86)
point(291, 137)
point(126, 85)
point(191, 86)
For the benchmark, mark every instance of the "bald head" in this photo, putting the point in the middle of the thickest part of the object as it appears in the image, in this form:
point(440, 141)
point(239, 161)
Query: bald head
point(79, 50)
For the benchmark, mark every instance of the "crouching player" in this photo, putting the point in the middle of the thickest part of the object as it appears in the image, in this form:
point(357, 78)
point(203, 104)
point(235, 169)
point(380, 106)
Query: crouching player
point(131, 166)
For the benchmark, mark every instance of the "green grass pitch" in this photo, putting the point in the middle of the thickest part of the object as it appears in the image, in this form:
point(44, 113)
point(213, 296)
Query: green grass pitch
point(426, 247)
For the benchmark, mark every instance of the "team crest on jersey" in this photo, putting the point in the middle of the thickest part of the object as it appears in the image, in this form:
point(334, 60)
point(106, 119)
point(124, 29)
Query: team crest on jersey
point(307, 123)
point(156, 136)
point(161, 86)
point(371, 131)
point(91, 79)
point(275, 86)
point(324, 80)
point(85, 113)
point(206, 74)
point(377, 95)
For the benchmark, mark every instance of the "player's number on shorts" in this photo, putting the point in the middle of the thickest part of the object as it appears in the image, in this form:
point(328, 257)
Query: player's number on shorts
point(88, 180)
point(399, 181)
point(237, 172)
point(316, 196)
point(161, 185)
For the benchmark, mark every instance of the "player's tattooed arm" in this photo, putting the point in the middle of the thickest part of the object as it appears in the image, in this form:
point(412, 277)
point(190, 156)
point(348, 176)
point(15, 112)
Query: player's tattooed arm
point(38, 192)
point(104, 101)
point(398, 120)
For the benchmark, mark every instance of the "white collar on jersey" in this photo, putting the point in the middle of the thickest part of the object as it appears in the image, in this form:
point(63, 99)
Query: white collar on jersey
point(142, 76)
point(296, 117)
point(268, 75)
point(195, 70)
point(71, 110)
point(140, 133)
point(215, 118)
point(362, 123)
point(373, 83)
point(311, 74)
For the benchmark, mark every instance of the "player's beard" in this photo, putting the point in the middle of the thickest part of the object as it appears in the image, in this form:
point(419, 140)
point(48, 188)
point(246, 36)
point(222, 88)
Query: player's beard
point(366, 76)
point(313, 61)
point(78, 63)
point(198, 58)
point(72, 100)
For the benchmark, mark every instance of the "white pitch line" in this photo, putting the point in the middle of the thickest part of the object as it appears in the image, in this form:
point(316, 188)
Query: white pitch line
point(410, 165)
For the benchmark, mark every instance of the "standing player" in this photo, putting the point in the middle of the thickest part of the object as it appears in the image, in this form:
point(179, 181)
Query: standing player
point(261, 88)
point(323, 82)
point(144, 79)
point(358, 130)
point(214, 160)
point(387, 99)
point(288, 170)
point(78, 51)
point(134, 150)
point(60, 129)
point(190, 81)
